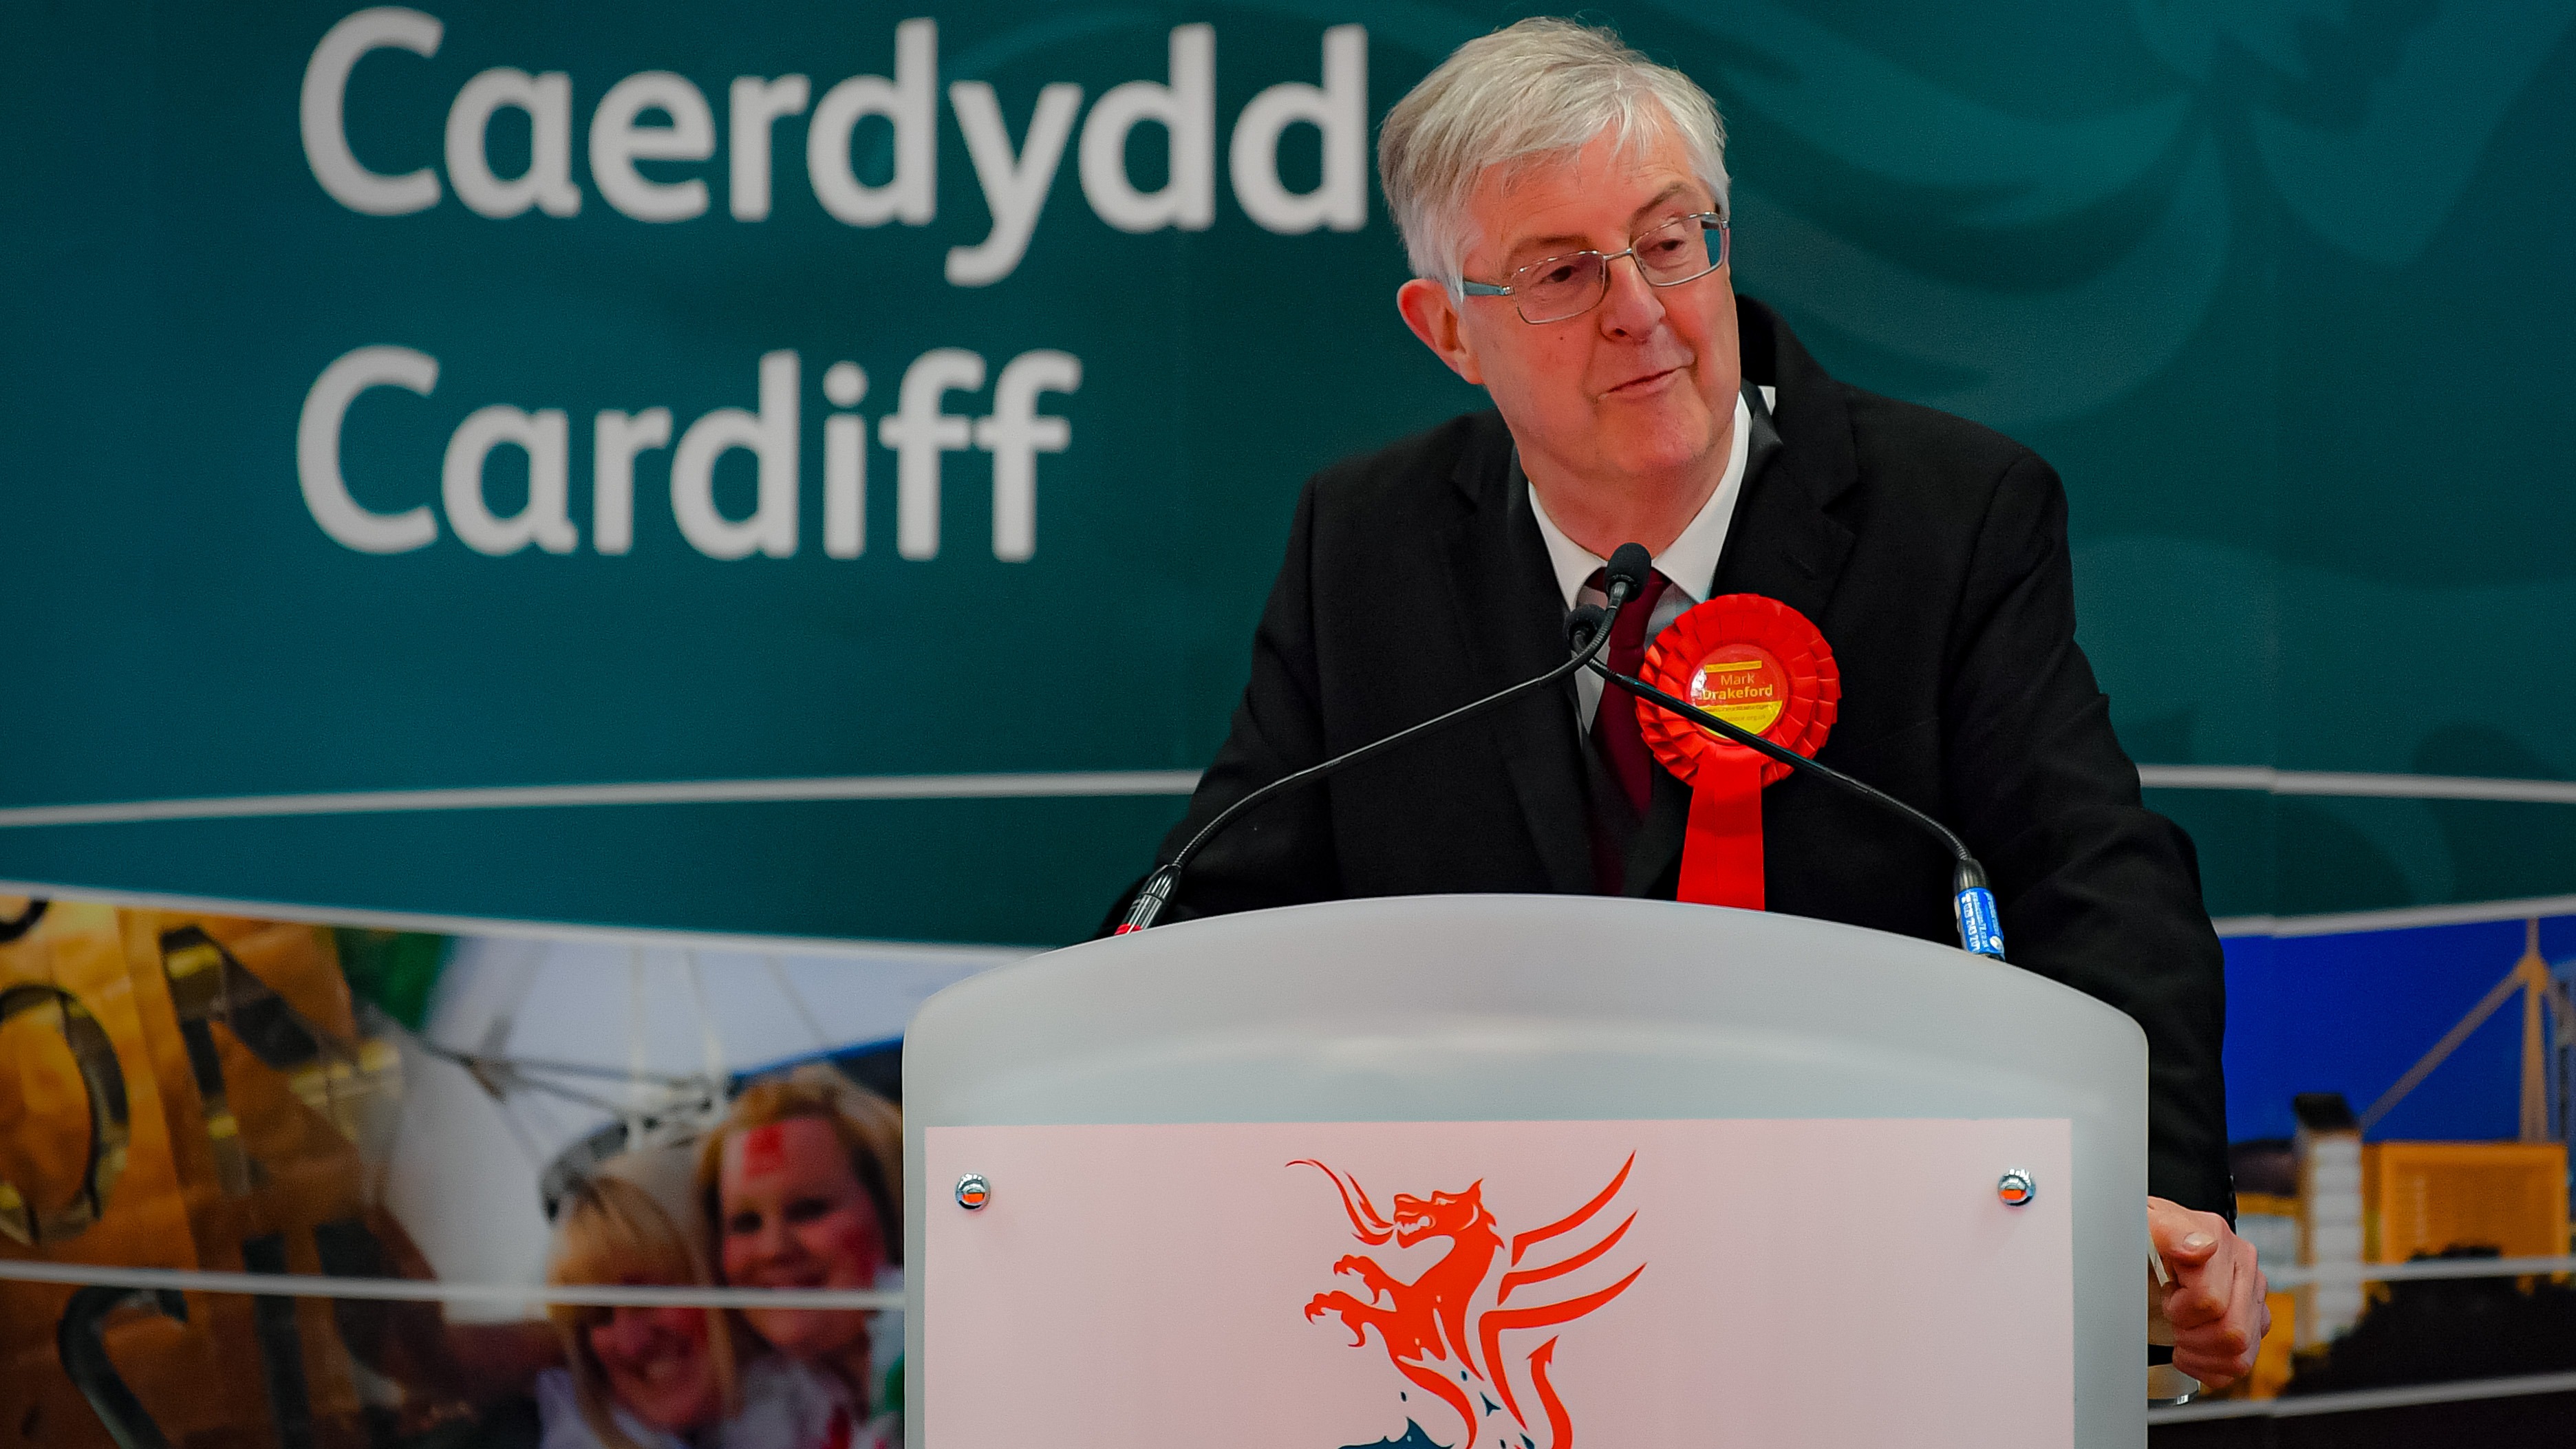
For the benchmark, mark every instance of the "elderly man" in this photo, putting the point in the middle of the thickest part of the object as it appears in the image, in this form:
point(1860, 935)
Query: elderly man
point(1563, 202)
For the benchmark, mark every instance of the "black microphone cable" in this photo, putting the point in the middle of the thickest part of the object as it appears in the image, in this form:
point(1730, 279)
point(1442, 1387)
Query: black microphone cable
point(1980, 927)
point(1626, 575)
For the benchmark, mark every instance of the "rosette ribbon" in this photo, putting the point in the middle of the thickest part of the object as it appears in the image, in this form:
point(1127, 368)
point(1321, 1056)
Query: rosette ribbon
point(1758, 664)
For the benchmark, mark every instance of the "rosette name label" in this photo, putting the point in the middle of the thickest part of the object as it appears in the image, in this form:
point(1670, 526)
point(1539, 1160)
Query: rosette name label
point(1742, 685)
point(1762, 667)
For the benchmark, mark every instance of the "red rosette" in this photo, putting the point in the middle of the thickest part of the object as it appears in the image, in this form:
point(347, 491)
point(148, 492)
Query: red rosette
point(1760, 665)
point(1751, 661)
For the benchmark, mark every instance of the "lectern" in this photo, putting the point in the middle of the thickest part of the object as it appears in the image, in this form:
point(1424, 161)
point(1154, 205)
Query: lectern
point(1520, 1172)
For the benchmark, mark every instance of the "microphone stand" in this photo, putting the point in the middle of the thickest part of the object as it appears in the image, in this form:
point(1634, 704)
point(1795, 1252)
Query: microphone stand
point(1980, 927)
point(1625, 580)
point(1588, 633)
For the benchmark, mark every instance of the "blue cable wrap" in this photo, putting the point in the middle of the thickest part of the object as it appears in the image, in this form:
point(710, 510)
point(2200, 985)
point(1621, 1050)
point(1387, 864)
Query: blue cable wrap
point(1980, 929)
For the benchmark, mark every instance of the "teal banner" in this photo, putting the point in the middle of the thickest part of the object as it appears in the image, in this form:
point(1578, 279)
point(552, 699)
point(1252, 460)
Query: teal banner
point(812, 469)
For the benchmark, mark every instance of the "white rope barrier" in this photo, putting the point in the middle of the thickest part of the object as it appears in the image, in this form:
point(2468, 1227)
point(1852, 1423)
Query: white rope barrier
point(2302, 1275)
point(2351, 784)
point(302, 1285)
point(412, 1290)
point(431, 1291)
point(2351, 1401)
point(1043, 785)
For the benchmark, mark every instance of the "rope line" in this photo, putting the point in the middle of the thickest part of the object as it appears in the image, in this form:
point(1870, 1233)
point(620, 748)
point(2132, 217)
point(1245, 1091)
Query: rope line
point(414, 1290)
point(2349, 1401)
point(1061, 783)
point(653, 792)
point(2300, 1275)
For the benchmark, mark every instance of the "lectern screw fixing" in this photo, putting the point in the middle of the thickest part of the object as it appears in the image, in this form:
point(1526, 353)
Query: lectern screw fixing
point(973, 1191)
point(2016, 1188)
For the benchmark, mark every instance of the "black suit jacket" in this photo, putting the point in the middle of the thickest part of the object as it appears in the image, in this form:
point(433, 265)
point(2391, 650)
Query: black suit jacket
point(1932, 554)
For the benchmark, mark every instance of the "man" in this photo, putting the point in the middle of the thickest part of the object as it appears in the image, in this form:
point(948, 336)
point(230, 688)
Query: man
point(1562, 200)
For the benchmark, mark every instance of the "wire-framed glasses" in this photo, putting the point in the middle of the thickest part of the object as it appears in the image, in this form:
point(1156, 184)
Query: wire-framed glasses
point(1667, 255)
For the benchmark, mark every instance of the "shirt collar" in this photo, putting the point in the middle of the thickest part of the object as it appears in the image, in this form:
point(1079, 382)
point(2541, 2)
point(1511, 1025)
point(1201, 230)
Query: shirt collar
point(1690, 561)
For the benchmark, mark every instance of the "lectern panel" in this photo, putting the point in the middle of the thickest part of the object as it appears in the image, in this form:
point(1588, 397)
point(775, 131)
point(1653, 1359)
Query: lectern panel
point(1822, 1120)
point(1321, 1285)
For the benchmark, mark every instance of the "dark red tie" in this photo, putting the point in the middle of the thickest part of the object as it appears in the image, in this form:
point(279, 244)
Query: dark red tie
point(1614, 724)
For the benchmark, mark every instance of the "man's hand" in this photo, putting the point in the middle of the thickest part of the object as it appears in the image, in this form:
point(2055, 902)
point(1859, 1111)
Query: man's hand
point(2216, 1300)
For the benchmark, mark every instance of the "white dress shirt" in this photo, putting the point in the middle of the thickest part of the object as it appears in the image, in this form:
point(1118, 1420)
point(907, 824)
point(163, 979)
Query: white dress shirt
point(1689, 563)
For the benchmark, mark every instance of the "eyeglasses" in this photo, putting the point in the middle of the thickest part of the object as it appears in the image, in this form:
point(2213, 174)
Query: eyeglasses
point(1667, 255)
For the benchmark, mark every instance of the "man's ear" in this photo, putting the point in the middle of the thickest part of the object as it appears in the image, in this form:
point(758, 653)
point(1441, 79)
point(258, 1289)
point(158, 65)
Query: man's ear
point(1433, 315)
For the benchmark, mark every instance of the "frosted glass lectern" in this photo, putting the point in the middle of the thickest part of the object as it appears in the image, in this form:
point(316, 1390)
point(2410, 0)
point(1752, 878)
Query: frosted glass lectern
point(1518, 1171)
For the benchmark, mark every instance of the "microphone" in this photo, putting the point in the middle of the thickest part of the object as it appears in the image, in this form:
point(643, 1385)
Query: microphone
point(1625, 575)
point(1587, 633)
point(1583, 623)
point(1981, 930)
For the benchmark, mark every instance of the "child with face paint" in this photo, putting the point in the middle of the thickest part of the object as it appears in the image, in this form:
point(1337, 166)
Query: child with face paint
point(649, 1377)
point(803, 1182)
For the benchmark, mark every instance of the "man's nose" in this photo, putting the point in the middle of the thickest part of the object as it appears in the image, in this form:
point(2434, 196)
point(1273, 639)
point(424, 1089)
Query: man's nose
point(1631, 310)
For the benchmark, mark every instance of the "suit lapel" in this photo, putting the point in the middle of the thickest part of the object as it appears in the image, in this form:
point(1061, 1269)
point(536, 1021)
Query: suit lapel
point(1512, 620)
point(1781, 544)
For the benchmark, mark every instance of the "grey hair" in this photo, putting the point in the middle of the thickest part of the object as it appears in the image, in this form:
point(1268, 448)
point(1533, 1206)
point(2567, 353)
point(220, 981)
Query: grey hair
point(1530, 92)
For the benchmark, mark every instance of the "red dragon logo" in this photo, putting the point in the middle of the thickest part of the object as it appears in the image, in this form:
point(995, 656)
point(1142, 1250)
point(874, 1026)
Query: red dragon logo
point(1437, 1320)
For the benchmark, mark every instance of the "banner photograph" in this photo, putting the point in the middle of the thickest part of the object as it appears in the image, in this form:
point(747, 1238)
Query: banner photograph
point(491, 1119)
